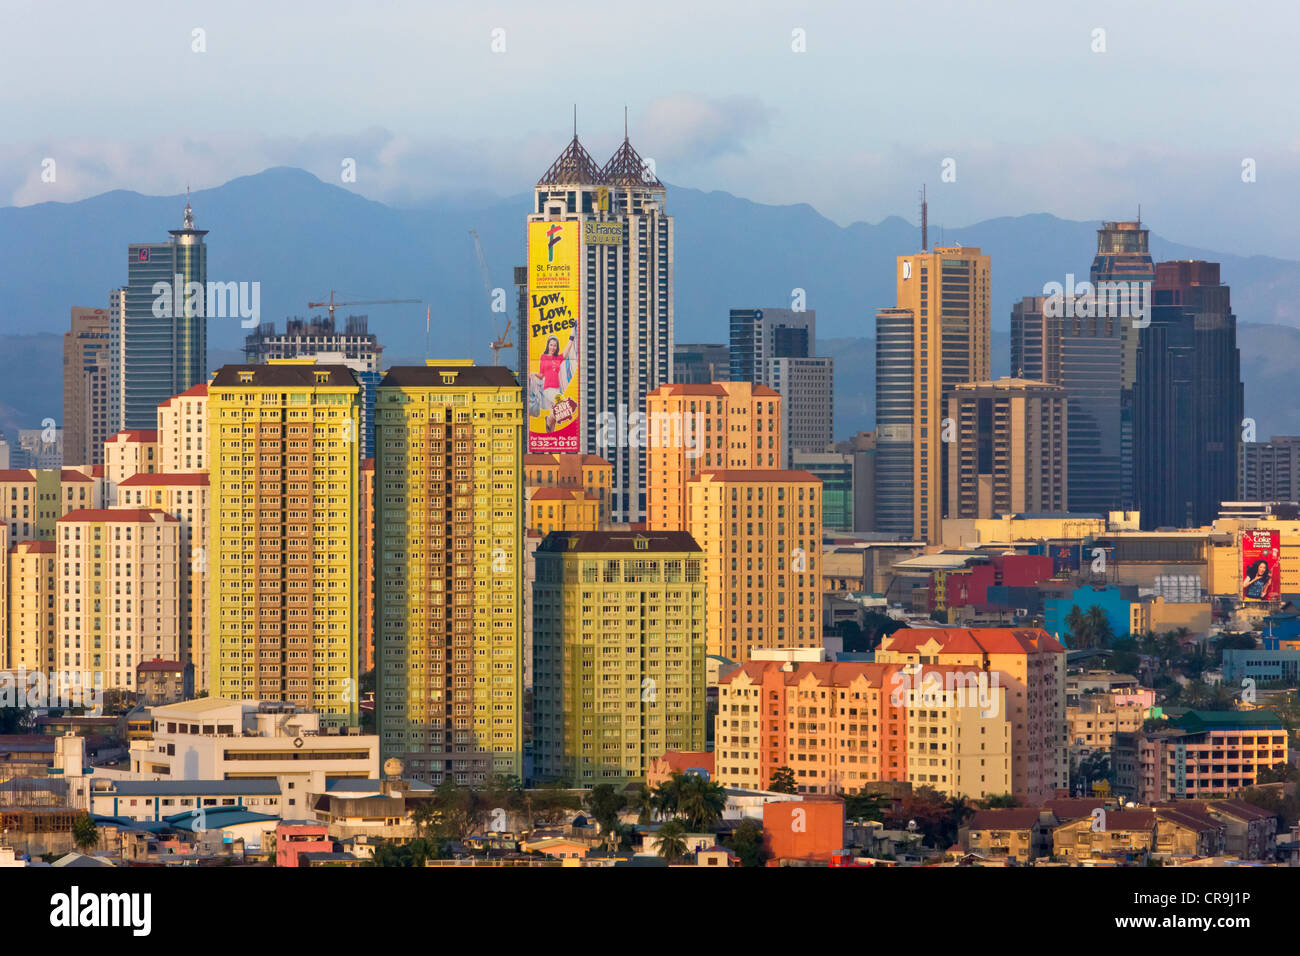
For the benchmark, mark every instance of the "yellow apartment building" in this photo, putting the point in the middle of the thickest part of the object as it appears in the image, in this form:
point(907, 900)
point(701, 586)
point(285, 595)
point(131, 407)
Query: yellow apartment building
point(618, 654)
point(283, 537)
point(448, 570)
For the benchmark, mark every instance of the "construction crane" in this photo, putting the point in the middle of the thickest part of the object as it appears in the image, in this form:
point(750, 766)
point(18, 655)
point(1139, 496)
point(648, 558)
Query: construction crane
point(332, 305)
point(501, 342)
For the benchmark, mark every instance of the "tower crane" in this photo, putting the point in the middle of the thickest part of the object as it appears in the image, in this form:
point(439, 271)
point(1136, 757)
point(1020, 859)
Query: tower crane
point(502, 341)
point(332, 305)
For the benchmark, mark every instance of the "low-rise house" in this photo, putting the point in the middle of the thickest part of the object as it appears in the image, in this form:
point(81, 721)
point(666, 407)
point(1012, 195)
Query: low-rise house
point(1186, 829)
point(1251, 831)
point(1112, 836)
point(297, 837)
point(1019, 834)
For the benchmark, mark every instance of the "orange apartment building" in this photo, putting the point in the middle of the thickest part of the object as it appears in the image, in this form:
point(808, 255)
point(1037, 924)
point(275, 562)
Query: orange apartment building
point(30, 618)
point(588, 473)
point(183, 431)
point(696, 428)
point(1031, 666)
point(130, 453)
point(119, 596)
point(186, 498)
point(832, 724)
point(562, 509)
point(842, 726)
point(761, 533)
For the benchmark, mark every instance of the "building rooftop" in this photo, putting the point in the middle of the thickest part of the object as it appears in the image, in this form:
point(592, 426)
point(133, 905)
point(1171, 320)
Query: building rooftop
point(618, 542)
point(288, 375)
point(136, 434)
point(139, 515)
point(164, 478)
point(431, 376)
point(266, 787)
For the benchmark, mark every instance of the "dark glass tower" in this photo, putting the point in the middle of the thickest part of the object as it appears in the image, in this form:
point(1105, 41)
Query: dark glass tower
point(160, 348)
point(1188, 399)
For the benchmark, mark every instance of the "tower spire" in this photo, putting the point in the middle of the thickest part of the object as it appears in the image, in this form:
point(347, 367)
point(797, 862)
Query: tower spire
point(625, 122)
point(189, 213)
point(575, 120)
point(925, 222)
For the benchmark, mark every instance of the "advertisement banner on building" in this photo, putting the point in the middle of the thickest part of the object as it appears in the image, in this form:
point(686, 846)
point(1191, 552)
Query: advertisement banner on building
point(553, 355)
point(1261, 566)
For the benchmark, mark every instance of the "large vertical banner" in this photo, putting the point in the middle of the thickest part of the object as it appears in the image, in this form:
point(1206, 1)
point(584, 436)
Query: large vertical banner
point(553, 353)
point(1261, 566)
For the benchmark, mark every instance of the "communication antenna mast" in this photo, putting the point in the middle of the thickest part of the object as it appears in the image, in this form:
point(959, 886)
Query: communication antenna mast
point(925, 221)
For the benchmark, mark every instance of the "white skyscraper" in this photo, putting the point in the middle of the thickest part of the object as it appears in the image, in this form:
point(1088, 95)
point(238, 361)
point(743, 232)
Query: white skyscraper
point(625, 296)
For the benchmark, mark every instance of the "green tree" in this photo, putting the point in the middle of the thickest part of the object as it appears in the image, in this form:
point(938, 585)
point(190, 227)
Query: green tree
point(746, 841)
point(605, 804)
point(84, 832)
point(700, 802)
point(672, 841)
point(1001, 801)
point(866, 806)
point(1099, 628)
point(783, 781)
point(666, 795)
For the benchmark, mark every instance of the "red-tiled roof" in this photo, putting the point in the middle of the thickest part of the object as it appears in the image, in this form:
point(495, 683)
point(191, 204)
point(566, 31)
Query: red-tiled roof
point(16, 474)
point(1010, 818)
point(71, 474)
point(136, 434)
point(158, 665)
point(194, 391)
point(1241, 810)
point(988, 640)
point(34, 547)
point(165, 478)
point(829, 674)
point(116, 514)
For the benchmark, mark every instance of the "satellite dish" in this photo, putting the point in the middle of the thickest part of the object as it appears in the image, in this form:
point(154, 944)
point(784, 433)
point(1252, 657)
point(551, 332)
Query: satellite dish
point(392, 767)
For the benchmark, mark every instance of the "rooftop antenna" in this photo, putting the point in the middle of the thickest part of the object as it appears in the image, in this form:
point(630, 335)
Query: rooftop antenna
point(625, 122)
point(925, 221)
point(426, 331)
point(1139, 215)
point(575, 120)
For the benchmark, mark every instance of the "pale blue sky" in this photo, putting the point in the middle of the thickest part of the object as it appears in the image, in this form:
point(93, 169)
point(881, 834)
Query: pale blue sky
point(1036, 121)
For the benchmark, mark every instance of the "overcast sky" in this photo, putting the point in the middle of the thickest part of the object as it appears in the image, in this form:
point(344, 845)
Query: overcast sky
point(880, 97)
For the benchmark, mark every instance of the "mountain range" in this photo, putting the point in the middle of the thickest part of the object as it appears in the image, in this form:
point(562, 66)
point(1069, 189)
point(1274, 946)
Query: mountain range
point(300, 237)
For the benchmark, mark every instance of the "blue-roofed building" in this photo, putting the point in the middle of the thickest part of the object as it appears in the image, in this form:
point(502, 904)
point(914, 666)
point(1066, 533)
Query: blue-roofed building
point(1115, 601)
point(159, 800)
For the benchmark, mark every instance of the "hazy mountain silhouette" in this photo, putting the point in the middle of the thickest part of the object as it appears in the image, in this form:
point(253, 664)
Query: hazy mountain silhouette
point(301, 237)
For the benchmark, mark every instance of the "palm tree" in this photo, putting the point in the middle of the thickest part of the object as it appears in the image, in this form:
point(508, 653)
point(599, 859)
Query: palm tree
point(1077, 626)
point(672, 842)
point(666, 795)
point(644, 803)
point(701, 802)
point(1100, 630)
